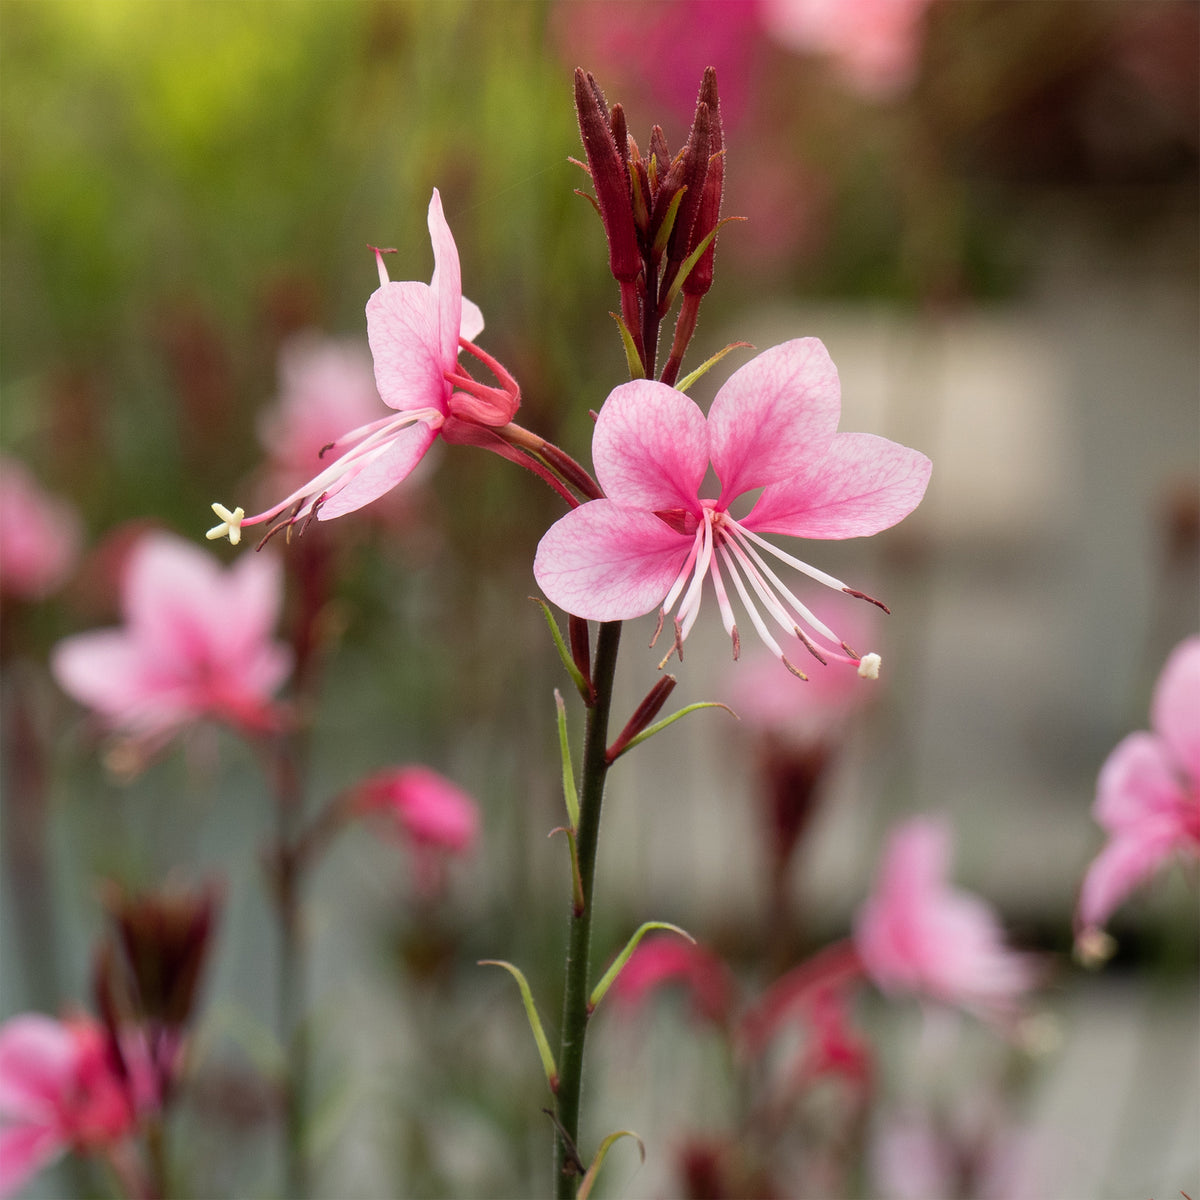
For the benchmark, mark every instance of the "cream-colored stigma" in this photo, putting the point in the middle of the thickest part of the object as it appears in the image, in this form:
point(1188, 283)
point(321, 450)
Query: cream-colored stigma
point(1094, 947)
point(868, 666)
point(230, 526)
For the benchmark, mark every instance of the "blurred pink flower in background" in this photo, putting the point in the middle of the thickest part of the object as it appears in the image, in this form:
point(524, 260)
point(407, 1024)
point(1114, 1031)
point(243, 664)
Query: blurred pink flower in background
point(916, 934)
point(661, 961)
point(59, 1089)
point(196, 643)
point(876, 44)
point(436, 817)
point(1148, 794)
point(40, 535)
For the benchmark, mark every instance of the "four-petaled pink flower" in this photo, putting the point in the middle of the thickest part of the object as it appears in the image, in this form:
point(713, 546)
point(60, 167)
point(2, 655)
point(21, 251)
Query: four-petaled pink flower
point(40, 535)
point(59, 1090)
point(415, 331)
point(654, 539)
point(196, 643)
point(916, 934)
point(1148, 794)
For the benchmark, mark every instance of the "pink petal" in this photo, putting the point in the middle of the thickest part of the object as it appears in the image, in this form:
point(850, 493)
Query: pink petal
point(1175, 712)
point(102, 670)
point(1129, 859)
point(37, 1066)
point(446, 283)
point(773, 416)
point(382, 474)
point(862, 485)
point(1138, 782)
point(472, 321)
point(25, 1150)
point(173, 596)
point(253, 588)
point(402, 329)
point(608, 563)
point(650, 447)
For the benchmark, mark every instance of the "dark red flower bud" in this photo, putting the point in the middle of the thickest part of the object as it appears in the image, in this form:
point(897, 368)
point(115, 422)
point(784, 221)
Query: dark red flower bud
point(645, 712)
point(709, 212)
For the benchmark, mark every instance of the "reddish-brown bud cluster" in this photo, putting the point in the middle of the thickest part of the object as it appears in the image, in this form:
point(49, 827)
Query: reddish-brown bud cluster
point(660, 214)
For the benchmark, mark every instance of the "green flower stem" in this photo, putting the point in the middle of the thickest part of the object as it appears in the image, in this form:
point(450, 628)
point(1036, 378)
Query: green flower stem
point(575, 994)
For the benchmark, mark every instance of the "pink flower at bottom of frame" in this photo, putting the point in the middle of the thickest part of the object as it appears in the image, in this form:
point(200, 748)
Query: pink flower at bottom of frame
point(654, 540)
point(916, 934)
point(59, 1090)
point(1148, 795)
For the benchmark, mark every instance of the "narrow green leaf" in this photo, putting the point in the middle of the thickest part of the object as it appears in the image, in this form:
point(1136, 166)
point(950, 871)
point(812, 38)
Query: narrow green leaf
point(619, 962)
point(687, 381)
point(585, 1184)
point(664, 233)
point(576, 878)
point(692, 259)
point(535, 1022)
point(563, 653)
point(636, 370)
point(570, 795)
point(659, 726)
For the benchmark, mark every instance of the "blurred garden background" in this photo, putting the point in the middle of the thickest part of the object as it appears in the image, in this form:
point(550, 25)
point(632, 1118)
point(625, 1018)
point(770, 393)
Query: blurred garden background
point(988, 213)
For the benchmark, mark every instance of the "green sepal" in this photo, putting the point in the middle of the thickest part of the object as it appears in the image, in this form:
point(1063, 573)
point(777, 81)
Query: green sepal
point(535, 1022)
point(560, 644)
point(668, 223)
point(687, 381)
point(577, 900)
point(570, 795)
point(692, 259)
point(636, 369)
point(619, 962)
point(585, 1184)
point(659, 726)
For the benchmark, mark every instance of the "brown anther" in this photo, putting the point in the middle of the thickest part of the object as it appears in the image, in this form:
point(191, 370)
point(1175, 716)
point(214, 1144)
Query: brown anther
point(869, 599)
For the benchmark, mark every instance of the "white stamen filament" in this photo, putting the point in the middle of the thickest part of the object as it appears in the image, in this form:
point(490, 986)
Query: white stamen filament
point(755, 617)
point(689, 607)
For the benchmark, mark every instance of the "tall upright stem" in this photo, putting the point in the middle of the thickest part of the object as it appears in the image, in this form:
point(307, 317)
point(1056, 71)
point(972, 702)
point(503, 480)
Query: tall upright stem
point(575, 995)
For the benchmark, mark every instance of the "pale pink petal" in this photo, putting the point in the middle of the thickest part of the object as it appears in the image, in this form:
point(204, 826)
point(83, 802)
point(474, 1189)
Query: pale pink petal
point(1175, 712)
point(472, 321)
point(392, 466)
point(37, 1065)
point(862, 485)
point(253, 588)
point(650, 447)
point(103, 670)
point(1138, 781)
point(773, 416)
point(402, 328)
point(608, 563)
point(1127, 861)
point(446, 283)
point(25, 1150)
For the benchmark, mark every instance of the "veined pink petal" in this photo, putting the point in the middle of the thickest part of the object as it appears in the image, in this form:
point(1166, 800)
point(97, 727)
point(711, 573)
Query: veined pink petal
point(650, 447)
point(773, 415)
point(603, 562)
point(864, 484)
point(446, 283)
point(1128, 860)
point(1175, 712)
point(25, 1150)
point(403, 331)
point(1137, 781)
point(406, 448)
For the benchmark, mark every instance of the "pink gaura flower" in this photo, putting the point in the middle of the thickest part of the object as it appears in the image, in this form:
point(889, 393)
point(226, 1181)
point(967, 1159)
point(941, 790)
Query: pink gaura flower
point(1148, 794)
point(59, 1090)
point(196, 643)
point(40, 535)
point(652, 542)
point(430, 810)
point(916, 934)
point(661, 961)
point(415, 331)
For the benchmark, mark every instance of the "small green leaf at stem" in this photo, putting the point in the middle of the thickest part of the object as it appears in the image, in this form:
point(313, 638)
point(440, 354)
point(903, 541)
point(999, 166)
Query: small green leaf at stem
point(659, 726)
point(632, 357)
point(567, 661)
point(691, 260)
point(619, 962)
point(570, 795)
point(535, 1022)
point(687, 381)
point(577, 901)
point(585, 1184)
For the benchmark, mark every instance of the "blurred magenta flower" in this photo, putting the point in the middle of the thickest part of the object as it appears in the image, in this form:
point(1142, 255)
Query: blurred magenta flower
point(772, 425)
point(876, 44)
point(59, 1090)
point(40, 535)
point(196, 643)
point(415, 331)
point(916, 934)
point(434, 815)
point(1148, 794)
point(661, 961)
